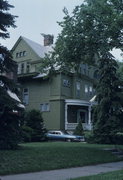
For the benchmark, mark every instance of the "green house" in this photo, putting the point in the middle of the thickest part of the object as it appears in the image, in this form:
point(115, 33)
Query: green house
point(63, 99)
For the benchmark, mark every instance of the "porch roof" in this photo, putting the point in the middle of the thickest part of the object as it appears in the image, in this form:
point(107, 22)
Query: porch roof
point(77, 102)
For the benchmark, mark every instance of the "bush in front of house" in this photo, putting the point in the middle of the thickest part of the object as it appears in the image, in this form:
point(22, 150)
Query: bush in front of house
point(26, 133)
point(33, 129)
point(79, 129)
point(89, 136)
point(10, 135)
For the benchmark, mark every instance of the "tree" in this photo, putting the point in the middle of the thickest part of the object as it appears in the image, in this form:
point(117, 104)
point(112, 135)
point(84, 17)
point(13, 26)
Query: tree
point(89, 35)
point(9, 120)
point(94, 28)
point(120, 70)
point(34, 120)
point(108, 113)
point(79, 129)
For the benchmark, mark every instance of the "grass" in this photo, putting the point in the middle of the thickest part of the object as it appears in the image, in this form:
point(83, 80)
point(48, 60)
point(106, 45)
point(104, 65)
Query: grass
point(32, 157)
point(116, 175)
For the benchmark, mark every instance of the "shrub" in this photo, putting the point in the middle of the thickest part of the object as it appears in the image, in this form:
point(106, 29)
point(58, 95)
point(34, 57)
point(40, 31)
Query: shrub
point(33, 119)
point(10, 133)
point(79, 129)
point(89, 136)
point(119, 138)
point(26, 133)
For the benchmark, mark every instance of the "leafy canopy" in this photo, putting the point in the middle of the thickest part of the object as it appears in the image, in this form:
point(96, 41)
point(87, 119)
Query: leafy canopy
point(95, 27)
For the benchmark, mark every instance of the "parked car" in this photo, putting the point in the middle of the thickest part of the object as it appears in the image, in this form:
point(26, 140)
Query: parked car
point(63, 136)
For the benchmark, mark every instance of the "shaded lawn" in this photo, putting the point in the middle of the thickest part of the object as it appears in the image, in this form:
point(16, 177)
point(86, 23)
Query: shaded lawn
point(116, 175)
point(33, 157)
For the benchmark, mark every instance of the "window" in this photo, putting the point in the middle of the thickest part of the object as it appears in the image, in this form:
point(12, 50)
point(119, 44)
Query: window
point(90, 90)
point(24, 53)
point(86, 88)
point(27, 67)
point(20, 54)
point(78, 89)
point(22, 68)
point(19, 68)
point(17, 55)
point(25, 96)
point(44, 107)
point(66, 83)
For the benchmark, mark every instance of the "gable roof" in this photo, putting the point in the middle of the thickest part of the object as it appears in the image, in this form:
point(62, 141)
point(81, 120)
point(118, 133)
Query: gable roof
point(37, 48)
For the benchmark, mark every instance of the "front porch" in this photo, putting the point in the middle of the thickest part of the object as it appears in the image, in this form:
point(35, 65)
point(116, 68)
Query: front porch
point(76, 110)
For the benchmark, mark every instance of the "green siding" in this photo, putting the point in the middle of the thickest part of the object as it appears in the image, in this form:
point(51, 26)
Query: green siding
point(52, 90)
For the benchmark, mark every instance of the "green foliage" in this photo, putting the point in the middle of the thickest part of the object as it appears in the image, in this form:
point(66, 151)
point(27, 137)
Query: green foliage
point(10, 134)
point(108, 113)
point(9, 120)
point(115, 175)
point(89, 136)
point(79, 129)
point(94, 28)
point(120, 71)
point(34, 126)
point(26, 133)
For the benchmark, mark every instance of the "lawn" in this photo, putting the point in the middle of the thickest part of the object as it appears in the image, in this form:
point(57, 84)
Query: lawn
point(116, 175)
point(32, 157)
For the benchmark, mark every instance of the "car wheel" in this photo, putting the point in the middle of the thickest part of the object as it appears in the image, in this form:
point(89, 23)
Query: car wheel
point(68, 140)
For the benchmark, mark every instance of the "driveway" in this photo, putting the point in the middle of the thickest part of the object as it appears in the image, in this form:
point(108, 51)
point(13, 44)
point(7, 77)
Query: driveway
point(65, 174)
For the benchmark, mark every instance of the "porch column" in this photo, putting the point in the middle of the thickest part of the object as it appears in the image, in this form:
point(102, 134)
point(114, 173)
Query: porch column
point(89, 115)
point(66, 116)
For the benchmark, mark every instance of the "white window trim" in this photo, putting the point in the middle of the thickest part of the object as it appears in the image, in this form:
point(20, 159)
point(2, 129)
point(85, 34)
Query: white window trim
point(26, 103)
point(45, 107)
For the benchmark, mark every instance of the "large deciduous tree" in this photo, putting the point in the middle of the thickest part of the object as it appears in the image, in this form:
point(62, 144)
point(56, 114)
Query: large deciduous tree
point(95, 27)
point(9, 120)
point(93, 30)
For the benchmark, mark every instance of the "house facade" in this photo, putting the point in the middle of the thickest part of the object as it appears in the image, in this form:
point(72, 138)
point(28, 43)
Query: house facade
point(63, 99)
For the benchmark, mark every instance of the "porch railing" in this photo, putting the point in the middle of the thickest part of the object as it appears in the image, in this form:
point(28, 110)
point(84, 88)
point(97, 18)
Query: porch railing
point(72, 126)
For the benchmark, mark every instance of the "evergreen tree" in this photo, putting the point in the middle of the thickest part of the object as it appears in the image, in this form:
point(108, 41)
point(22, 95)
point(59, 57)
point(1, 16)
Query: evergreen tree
point(34, 120)
point(9, 121)
point(79, 129)
point(108, 113)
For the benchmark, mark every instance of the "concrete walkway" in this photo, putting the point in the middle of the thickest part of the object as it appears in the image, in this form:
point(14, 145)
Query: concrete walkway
point(65, 174)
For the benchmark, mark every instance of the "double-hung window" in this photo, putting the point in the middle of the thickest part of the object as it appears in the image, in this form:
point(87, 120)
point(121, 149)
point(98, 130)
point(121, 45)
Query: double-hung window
point(78, 87)
point(26, 96)
point(44, 107)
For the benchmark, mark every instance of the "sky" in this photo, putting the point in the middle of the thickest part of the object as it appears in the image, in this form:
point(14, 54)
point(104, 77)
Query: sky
point(36, 17)
point(39, 16)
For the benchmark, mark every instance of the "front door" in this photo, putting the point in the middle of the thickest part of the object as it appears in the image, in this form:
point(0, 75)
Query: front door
point(82, 116)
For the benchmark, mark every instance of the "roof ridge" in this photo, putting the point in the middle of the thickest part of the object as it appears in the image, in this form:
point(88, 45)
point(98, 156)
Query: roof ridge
point(27, 39)
point(39, 49)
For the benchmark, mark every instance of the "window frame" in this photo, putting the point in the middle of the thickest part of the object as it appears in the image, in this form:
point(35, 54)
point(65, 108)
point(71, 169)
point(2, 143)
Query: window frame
point(45, 107)
point(26, 94)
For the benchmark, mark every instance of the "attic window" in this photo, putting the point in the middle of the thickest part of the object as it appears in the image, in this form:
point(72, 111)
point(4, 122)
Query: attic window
point(24, 53)
point(20, 54)
point(17, 55)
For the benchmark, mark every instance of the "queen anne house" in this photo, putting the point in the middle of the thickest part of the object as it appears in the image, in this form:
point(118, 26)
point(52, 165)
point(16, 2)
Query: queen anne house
point(63, 99)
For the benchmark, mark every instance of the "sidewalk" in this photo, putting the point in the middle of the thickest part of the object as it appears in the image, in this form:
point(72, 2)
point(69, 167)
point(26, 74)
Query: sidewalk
point(65, 174)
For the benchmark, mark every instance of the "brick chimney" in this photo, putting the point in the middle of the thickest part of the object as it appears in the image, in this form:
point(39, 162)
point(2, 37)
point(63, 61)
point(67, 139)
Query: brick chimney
point(48, 39)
